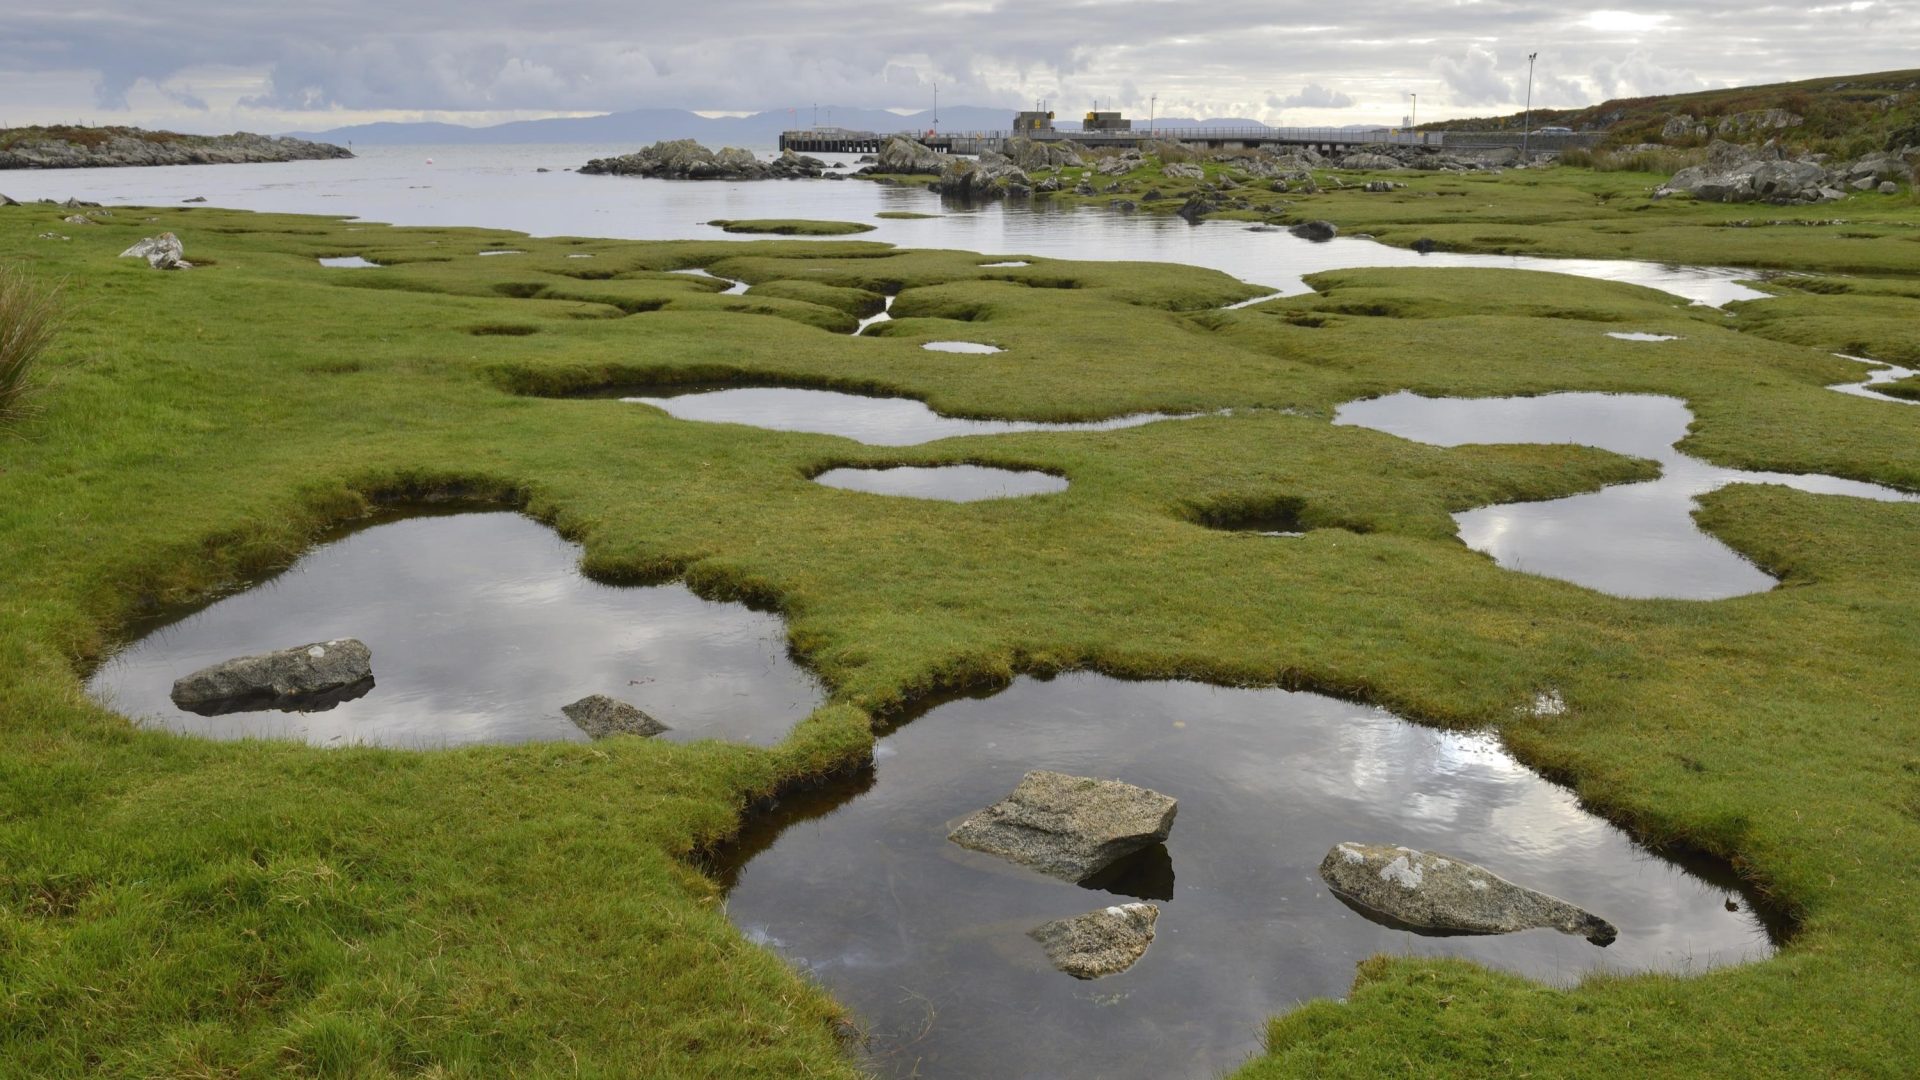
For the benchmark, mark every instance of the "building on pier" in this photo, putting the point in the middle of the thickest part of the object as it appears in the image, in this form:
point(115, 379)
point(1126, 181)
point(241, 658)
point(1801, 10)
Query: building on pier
point(1105, 121)
point(1032, 122)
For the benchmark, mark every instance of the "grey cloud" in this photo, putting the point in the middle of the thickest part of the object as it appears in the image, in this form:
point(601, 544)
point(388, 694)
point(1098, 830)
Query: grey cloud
point(495, 55)
point(1312, 96)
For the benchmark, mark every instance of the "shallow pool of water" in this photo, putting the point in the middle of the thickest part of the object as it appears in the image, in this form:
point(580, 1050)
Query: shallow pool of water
point(1633, 540)
point(481, 627)
point(876, 421)
point(1637, 335)
point(349, 262)
point(927, 943)
point(949, 483)
point(974, 347)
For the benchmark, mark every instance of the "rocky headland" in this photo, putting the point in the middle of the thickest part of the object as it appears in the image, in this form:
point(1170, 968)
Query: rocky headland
point(684, 159)
point(111, 147)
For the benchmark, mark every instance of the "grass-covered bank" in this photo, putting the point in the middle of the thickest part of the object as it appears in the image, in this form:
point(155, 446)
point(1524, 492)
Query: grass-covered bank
point(180, 907)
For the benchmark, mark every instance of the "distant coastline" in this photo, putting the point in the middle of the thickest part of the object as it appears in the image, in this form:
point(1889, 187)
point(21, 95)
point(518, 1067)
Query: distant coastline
point(119, 147)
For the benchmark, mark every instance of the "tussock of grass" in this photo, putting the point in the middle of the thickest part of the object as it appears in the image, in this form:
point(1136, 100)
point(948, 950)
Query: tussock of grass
point(30, 316)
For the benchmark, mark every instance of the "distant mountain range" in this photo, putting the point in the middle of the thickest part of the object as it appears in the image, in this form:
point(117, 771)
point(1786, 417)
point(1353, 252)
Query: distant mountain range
point(641, 126)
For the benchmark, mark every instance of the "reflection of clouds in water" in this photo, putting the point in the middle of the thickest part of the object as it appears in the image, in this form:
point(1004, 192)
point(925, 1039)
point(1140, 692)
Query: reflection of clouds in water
point(896, 920)
point(1632, 540)
point(481, 627)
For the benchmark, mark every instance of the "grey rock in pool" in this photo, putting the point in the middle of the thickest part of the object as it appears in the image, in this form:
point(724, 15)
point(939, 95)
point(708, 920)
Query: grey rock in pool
point(1099, 943)
point(1429, 891)
point(600, 716)
point(1317, 231)
point(1070, 827)
point(289, 673)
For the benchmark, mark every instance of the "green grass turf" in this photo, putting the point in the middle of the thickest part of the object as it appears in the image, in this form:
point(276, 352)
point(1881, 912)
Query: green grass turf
point(791, 226)
point(178, 907)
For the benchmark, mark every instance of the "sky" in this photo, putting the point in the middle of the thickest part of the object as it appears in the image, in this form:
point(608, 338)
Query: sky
point(272, 65)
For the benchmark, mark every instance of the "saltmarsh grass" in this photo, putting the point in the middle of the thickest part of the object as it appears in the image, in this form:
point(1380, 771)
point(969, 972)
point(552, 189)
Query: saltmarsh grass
point(29, 321)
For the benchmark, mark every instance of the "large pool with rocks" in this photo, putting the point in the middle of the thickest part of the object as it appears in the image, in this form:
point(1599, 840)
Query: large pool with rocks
point(945, 953)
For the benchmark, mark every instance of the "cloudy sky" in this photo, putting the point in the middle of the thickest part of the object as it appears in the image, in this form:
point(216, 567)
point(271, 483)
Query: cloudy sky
point(272, 65)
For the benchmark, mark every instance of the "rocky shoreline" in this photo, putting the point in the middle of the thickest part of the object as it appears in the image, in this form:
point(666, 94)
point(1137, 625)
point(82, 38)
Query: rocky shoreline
point(96, 148)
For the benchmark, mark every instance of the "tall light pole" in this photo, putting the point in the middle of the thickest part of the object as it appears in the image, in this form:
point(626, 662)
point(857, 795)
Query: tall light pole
point(1413, 114)
point(936, 106)
point(1526, 128)
point(1151, 102)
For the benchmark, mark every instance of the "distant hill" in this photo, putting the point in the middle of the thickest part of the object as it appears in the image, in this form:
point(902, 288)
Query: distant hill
point(1847, 115)
point(641, 126)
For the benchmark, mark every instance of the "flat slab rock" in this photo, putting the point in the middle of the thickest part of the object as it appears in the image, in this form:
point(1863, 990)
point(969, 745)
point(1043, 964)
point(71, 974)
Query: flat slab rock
point(1431, 891)
point(600, 716)
point(289, 674)
point(1070, 827)
point(1099, 943)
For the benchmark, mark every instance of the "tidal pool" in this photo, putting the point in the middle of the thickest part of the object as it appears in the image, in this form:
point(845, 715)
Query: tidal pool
point(926, 941)
point(481, 627)
point(961, 347)
point(950, 483)
point(876, 421)
point(349, 262)
point(504, 251)
point(1633, 540)
point(1639, 335)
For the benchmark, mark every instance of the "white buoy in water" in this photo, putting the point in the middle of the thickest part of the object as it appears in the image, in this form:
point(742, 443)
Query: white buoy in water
point(429, 161)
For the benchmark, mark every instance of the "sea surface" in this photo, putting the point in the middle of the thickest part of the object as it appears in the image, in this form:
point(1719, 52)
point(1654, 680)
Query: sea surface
point(501, 187)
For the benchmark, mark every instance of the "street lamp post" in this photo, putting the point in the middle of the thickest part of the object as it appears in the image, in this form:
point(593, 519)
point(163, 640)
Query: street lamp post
point(1151, 102)
point(1413, 115)
point(1526, 130)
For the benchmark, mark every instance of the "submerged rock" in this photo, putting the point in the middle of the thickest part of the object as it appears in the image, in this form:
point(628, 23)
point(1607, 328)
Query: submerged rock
point(1317, 231)
point(1099, 943)
point(1070, 827)
point(600, 716)
point(277, 679)
point(1435, 892)
point(163, 252)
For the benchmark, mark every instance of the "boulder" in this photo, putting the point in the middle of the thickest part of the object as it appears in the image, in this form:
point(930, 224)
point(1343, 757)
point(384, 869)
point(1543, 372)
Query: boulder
point(1888, 187)
point(1373, 161)
point(7, 200)
point(1197, 207)
point(1099, 943)
point(1033, 154)
point(1183, 171)
point(1429, 891)
point(907, 157)
point(195, 199)
point(162, 252)
point(1071, 827)
point(991, 177)
point(1317, 231)
point(1682, 127)
point(1114, 166)
point(277, 679)
point(600, 716)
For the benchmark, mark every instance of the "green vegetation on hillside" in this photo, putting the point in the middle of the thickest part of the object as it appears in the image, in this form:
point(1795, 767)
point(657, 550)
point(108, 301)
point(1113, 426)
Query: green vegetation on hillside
point(171, 906)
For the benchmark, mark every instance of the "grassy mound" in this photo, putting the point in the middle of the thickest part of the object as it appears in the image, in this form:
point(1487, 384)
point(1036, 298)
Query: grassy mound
point(791, 227)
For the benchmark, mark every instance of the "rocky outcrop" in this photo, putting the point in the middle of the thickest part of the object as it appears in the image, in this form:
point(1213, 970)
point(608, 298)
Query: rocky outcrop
point(1197, 207)
point(1099, 943)
point(1182, 171)
point(1681, 128)
point(600, 716)
point(1428, 891)
point(1317, 231)
point(1071, 827)
point(1120, 163)
point(1034, 155)
point(1759, 120)
point(684, 159)
point(163, 252)
point(280, 680)
point(908, 158)
point(84, 148)
point(991, 176)
point(1735, 173)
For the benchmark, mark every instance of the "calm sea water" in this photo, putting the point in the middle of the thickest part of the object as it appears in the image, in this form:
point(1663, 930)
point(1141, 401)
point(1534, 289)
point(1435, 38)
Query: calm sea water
point(500, 187)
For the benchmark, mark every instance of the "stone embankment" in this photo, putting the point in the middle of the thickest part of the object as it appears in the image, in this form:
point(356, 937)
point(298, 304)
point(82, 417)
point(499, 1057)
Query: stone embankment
point(87, 148)
point(684, 159)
